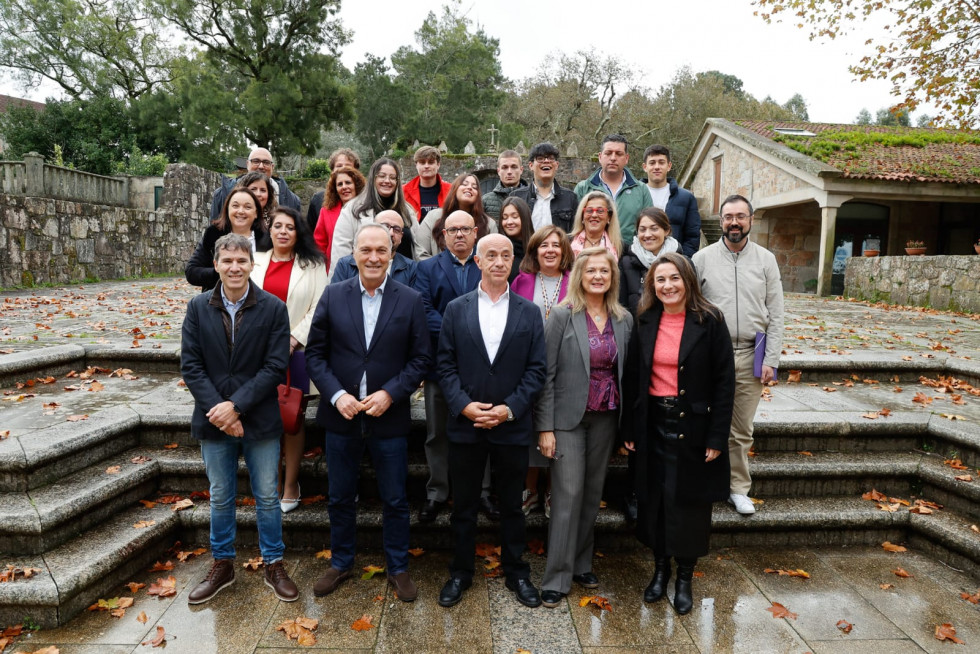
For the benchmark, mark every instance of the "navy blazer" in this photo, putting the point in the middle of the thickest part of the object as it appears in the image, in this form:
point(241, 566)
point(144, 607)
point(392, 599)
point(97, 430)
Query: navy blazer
point(395, 360)
point(246, 373)
point(402, 270)
point(514, 377)
point(436, 280)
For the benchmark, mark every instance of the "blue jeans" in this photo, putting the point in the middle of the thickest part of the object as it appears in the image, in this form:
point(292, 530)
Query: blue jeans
point(262, 459)
point(390, 458)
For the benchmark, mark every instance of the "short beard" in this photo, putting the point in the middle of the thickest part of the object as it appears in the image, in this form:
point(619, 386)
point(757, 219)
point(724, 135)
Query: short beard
point(738, 238)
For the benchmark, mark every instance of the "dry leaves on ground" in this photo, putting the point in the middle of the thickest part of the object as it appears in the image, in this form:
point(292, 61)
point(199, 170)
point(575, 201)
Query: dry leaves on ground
point(116, 606)
point(780, 611)
point(181, 505)
point(301, 630)
point(158, 640)
point(113, 470)
point(254, 563)
point(886, 586)
point(76, 418)
point(11, 572)
point(326, 555)
point(183, 556)
point(891, 547)
point(134, 586)
point(901, 572)
point(963, 477)
point(972, 599)
point(138, 460)
point(163, 587)
point(142, 618)
point(363, 623)
point(312, 499)
point(875, 496)
point(845, 626)
point(789, 573)
point(148, 503)
point(171, 446)
point(143, 524)
point(536, 546)
point(955, 464)
point(371, 570)
point(794, 376)
point(416, 552)
point(162, 567)
point(596, 600)
point(946, 631)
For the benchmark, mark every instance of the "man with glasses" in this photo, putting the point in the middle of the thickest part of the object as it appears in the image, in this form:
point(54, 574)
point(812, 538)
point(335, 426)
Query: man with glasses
point(550, 203)
point(616, 181)
point(401, 268)
point(509, 175)
point(441, 279)
point(259, 160)
point(742, 279)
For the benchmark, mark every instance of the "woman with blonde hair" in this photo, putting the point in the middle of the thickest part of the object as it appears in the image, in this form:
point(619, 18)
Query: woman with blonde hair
point(577, 414)
point(596, 224)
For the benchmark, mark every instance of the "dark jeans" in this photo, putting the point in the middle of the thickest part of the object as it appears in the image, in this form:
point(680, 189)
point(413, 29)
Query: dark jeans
point(390, 459)
point(467, 463)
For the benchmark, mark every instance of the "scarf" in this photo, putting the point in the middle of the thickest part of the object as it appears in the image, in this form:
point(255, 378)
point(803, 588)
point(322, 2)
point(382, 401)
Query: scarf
point(646, 257)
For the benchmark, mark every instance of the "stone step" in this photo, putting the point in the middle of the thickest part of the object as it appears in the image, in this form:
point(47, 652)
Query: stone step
point(79, 572)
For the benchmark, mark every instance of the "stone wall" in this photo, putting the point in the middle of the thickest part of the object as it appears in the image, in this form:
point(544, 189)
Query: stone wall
point(45, 240)
point(943, 282)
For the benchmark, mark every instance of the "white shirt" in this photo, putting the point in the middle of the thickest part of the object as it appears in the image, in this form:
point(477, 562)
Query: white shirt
point(660, 196)
point(370, 308)
point(541, 214)
point(493, 319)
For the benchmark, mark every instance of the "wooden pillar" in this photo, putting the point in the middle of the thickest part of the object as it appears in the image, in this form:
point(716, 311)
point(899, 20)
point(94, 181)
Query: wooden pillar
point(825, 264)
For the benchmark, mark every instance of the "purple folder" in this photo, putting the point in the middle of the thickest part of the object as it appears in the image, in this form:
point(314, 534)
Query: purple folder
point(760, 355)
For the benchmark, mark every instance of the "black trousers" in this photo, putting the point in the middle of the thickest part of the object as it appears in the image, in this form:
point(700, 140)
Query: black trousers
point(508, 464)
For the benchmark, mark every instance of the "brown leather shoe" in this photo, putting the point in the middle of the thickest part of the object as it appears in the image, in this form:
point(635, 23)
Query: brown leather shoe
point(404, 586)
point(221, 575)
point(329, 581)
point(280, 583)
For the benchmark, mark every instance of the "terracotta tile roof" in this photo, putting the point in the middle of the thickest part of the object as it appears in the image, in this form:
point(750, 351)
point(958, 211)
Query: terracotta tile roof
point(7, 101)
point(864, 151)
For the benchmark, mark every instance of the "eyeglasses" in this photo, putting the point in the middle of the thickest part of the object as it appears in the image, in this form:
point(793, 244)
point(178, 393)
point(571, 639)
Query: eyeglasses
point(597, 211)
point(545, 159)
point(261, 162)
point(394, 229)
point(453, 231)
point(738, 216)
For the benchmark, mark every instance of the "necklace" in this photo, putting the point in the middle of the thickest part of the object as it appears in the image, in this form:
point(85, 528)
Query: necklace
point(289, 258)
point(548, 304)
point(595, 243)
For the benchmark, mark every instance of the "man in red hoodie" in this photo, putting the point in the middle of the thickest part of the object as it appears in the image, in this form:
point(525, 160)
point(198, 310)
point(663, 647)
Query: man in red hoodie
point(427, 191)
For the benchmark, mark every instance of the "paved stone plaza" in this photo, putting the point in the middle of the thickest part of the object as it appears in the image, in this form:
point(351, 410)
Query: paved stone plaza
point(816, 454)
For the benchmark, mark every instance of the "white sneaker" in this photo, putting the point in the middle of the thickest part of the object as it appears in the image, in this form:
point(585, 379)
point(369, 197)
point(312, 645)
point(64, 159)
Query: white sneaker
point(742, 503)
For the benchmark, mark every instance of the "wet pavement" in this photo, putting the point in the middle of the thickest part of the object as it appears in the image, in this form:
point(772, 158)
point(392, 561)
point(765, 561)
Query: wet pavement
point(732, 591)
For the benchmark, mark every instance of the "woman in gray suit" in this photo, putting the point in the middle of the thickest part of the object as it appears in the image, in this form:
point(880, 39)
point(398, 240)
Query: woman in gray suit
point(577, 414)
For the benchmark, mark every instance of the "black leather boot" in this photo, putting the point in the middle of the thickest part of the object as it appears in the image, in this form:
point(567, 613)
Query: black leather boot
point(682, 589)
point(658, 585)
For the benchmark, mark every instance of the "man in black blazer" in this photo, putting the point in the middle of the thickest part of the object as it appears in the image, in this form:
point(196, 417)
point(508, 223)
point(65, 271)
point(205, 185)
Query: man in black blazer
point(367, 353)
point(491, 364)
point(234, 351)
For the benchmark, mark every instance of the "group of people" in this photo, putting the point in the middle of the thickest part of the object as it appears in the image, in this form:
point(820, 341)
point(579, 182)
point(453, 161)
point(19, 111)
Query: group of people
point(547, 326)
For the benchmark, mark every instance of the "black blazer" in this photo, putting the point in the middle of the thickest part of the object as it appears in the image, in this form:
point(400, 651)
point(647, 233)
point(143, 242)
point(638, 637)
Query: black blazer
point(706, 390)
point(246, 373)
point(199, 270)
point(395, 360)
point(514, 377)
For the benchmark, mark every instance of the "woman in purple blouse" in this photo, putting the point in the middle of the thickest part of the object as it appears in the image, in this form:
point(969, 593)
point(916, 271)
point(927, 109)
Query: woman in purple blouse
point(577, 414)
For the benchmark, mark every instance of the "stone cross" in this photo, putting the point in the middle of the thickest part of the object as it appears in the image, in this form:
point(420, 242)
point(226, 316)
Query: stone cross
point(493, 132)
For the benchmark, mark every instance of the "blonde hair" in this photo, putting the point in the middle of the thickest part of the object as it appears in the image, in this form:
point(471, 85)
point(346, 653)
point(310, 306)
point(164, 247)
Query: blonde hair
point(575, 297)
point(612, 227)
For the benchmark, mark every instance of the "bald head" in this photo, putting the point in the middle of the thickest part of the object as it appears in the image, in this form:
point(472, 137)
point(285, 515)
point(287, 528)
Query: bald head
point(459, 231)
point(392, 221)
point(261, 160)
point(496, 241)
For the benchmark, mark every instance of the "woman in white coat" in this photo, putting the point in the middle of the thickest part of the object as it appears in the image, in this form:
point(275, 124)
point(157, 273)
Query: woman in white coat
point(294, 271)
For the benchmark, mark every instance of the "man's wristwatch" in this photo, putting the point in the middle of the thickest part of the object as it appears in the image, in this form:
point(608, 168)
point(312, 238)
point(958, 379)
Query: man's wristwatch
point(510, 414)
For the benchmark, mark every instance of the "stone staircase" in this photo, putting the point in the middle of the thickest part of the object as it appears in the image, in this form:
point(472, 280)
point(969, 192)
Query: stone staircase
point(62, 511)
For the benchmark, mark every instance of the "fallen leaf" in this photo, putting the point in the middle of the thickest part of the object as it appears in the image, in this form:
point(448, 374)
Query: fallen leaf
point(164, 587)
point(972, 599)
point(955, 464)
point(183, 556)
point(181, 505)
point(416, 552)
point(76, 418)
point(169, 499)
point(886, 586)
point(254, 564)
point(148, 503)
point(485, 550)
point(945, 631)
point(596, 600)
point(794, 376)
point(142, 524)
point(963, 477)
point(312, 499)
point(137, 460)
point(170, 446)
point(96, 386)
point(141, 618)
point(951, 416)
point(113, 470)
point(371, 570)
point(844, 626)
point(4, 434)
point(697, 574)
point(901, 572)
point(890, 547)
point(805, 453)
point(922, 398)
point(829, 389)
point(158, 639)
point(201, 495)
point(874, 495)
point(363, 623)
point(789, 573)
point(326, 555)
point(536, 546)
point(780, 611)
point(870, 415)
point(134, 586)
point(162, 567)
point(885, 412)
point(975, 529)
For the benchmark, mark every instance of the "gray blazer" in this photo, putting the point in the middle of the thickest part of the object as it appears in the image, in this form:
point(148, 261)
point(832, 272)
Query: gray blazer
point(561, 404)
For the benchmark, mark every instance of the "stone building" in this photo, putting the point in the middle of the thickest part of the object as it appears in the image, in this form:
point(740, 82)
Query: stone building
point(824, 192)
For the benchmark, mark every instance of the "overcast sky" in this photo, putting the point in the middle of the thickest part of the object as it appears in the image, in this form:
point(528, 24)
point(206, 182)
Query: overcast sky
point(657, 38)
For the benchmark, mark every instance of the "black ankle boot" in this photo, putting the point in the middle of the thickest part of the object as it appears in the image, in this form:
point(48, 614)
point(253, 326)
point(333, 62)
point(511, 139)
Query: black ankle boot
point(682, 589)
point(658, 585)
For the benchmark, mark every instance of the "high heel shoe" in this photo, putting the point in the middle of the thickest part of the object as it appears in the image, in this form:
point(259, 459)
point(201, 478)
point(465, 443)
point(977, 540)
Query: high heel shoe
point(287, 505)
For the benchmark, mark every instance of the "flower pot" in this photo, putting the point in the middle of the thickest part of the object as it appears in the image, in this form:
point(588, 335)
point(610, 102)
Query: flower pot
point(872, 253)
point(915, 252)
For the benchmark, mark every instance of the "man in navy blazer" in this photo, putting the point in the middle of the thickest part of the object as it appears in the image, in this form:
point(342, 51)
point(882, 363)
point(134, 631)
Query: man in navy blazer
point(491, 364)
point(367, 353)
point(402, 269)
point(441, 279)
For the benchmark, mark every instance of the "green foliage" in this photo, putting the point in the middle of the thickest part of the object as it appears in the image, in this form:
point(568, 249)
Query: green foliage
point(454, 78)
point(383, 103)
point(863, 117)
point(893, 117)
point(142, 165)
point(828, 144)
point(317, 169)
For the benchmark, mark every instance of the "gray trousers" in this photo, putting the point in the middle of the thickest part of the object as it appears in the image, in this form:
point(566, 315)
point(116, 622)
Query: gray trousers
point(577, 478)
point(437, 445)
